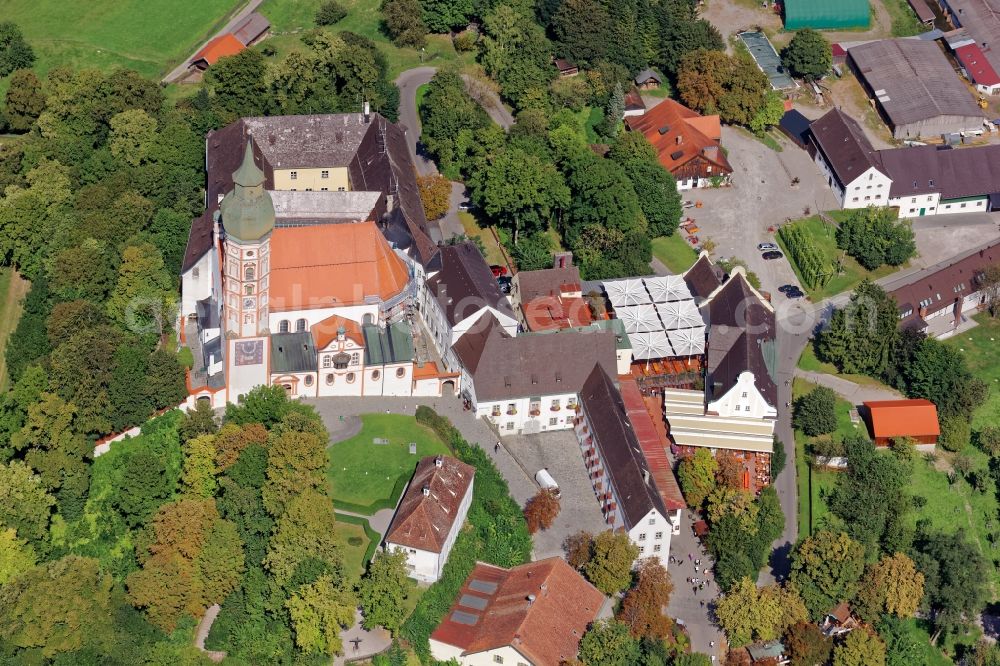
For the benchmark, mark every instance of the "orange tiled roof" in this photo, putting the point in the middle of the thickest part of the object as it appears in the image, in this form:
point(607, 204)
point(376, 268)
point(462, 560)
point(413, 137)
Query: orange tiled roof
point(546, 313)
point(220, 47)
point(325, 331)
point(903, 418)
point(332, 265)
point(424, 520)
point(547, 631)
point(696, 133)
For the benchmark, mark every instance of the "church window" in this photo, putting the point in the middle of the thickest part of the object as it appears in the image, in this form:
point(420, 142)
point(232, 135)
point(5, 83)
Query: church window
point(309, 380)
point(283, 326)
point(368, 319)
point(248, 290)
point(195, 273)
point(248, 273)
point(324, 174)
point(309, 189)
point(355, 358)
point(327, 361)
point(329, 379)
point(350, 377)
point(300, 325)
point(248, 319)
point(375, 375)
point(294, 175)
point(324, 189)
point(401, 372)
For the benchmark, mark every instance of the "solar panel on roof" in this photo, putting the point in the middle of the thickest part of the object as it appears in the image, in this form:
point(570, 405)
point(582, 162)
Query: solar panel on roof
point(461, 617)
point(470, 601)
point(483, 586)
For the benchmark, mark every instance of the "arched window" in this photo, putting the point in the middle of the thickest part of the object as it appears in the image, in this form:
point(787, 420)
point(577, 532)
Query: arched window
point(400, 372)
point(248, 290)
point(329, 379)
point(283, 326)
point(300, 325)
point(309, 380)
point(350, 377)
point(375, 375)
point(368, 319)
point(248, 273)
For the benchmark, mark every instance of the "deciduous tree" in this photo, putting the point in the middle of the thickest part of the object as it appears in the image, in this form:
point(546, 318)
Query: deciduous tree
point(404, 21)
point(15, 52)
point(874, 237)
point(296, 463)
point(861, 648)
point(304, 531)
point(954, 571)
point(16, 556)
point(806, 645)
point(435, 195)
point(382, 591)
point(747, 613)
point(541, 511)
point(144, 485)
point(25, 100)
point(808, 55)
point(826, 568)
point(330, 12)
point(442, 16)
point(696, 474)
point(608, 643)
point(610, 566)
point(861, 336)
point(739, 504)
point(892, 585)
point(578, 548)
point(199, 466)
point(642, 607)
point(144, 294)
point(815, 412)
point(319, 612)
point(133, 134)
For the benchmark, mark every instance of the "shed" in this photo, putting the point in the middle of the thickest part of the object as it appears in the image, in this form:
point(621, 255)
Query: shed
point(566, 68)
point(891, 419)
point(634, 106)
point(795, 126)
point(219, 47)
point(647, 79)
point(827, 15)
point(251, 29)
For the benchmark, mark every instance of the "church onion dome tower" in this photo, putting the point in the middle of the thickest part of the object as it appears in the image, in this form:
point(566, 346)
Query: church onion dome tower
point(247, 211)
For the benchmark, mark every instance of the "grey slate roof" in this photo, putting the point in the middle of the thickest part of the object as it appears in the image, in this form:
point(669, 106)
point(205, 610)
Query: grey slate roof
point(354, 205)
point(503, 367)
point(913, 80)
point(955, 173)
point(393, 344)
point(251, 28)
point(620, 449)
point(293, 352)
point(647, 74)
point(844, 144)
point(703, 277)
point(465, 283)
point(741, 338)
point(546, 282)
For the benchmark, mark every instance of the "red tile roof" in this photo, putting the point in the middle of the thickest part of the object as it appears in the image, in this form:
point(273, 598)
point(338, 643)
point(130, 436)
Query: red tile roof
point(976, 65)
point(903, 418)
point(332, 265)
point(653, 448)
point(326, 331)
point(423, 520)
point(669, 122)
point(546, 630)
point(219, 47)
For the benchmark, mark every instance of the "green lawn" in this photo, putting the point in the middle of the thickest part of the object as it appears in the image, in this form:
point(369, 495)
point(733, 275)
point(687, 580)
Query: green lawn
point(353, 542)
point(365, 477)
point(823, 236)
point(590, 117)
point(917, 634)
point(289, 18)
point(149, 36)
point(473, 230)
point(675, 252)
point(981, 346)
point(810, 363)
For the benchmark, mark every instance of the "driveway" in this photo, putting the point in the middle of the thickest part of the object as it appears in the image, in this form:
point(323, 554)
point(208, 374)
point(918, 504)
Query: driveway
point(559, 452)
point(737, 217)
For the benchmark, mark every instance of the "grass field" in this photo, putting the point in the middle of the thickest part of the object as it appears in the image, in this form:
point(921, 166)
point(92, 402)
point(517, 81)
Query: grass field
point(289, 18)
point(473, 230)
point(810, 363)
point(366, 477)
point(12, 291)
point(150, 36)
point(981, 346)
point(354, 554)
point(853, 273)
point(675, 252)
point(590, 117)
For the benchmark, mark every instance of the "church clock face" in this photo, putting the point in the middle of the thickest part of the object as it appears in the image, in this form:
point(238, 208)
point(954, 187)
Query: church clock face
point(248, 303)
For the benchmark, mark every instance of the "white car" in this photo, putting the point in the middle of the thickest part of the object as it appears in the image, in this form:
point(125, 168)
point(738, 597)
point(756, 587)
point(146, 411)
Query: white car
point(763, 247)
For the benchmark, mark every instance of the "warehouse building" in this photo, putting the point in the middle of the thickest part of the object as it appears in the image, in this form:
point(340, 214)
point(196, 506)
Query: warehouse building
point(827, 15)
point(915, 88)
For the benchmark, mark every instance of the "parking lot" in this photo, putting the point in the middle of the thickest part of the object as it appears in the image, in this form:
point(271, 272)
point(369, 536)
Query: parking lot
point(560, 453)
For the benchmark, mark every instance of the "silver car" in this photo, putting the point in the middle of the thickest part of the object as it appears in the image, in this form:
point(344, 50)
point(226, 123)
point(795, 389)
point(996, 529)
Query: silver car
point(762, 247)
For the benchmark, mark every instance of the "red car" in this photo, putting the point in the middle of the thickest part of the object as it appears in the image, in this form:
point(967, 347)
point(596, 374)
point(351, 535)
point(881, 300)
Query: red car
point(498, 270)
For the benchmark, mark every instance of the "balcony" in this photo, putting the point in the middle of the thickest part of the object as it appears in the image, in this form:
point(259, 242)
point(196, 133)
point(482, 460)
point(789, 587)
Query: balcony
point(512, 411)
point(555, 408)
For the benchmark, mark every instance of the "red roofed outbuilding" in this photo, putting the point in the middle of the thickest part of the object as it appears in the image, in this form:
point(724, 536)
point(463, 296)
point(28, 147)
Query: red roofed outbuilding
point(978, 68)
point(893, 419)
point(532, 614)
point(219, 47)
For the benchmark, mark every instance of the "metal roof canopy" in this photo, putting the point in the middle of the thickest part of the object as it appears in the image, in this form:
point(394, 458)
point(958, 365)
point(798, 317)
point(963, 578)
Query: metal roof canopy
point(650, 345)
point(626, 292)
point(668, 288)
point(639, 319)
point(687, 341)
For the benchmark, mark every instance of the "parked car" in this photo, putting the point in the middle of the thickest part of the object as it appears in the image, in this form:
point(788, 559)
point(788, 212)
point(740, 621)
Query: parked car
point(498, 270)
point(794, 292)
point(785, 288)
point(766, 246)
point(465, 206)
point(688, 204)
point(772, 254)
point(546, 482)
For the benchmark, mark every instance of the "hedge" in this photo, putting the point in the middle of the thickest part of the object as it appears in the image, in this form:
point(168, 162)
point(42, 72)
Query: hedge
point(496, 534)
point(813, 266)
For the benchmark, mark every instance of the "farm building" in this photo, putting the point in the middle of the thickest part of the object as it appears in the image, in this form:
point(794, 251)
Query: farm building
point(894, 419)
point(975, 64)
point(827, 15)
point(977, 21)
point(915, 88)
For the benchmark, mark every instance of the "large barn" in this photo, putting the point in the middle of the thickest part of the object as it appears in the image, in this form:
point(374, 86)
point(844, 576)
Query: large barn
point(827, 15)
point(915, 88)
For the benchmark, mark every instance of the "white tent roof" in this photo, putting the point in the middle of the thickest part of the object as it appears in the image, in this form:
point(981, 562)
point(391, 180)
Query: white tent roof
point(650, 345)
point(626, 292)
point(687, 341)
point(679, 314)
point(639, 319)
point(668, 288)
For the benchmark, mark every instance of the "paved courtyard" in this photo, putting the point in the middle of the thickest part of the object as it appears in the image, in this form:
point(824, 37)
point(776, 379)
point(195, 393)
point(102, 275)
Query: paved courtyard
point(559, 452)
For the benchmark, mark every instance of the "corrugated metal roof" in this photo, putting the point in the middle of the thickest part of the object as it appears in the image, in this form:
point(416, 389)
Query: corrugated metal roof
point(293, 352)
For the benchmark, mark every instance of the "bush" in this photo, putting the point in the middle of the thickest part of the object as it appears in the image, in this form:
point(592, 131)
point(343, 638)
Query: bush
point(465, 41)
point(874, 237)
point(778, 458)
point(955, 433)
point(355, 541)
point(815, 412)
point(330, 12)
point(988, 439)
point(541, 511)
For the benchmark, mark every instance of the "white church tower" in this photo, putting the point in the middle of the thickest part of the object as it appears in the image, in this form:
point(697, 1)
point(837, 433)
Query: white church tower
point(247, 219)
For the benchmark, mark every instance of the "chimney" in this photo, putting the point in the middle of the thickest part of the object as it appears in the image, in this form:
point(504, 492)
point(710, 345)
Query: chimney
point(367, 112)
point(645, 476)
point(680, 139)
point(531, 599)
point(427, 491)
point(439, 462)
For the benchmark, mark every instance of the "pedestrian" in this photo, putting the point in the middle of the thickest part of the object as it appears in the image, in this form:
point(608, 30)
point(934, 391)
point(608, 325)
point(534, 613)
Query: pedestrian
point(689, 557)
point(496, 447)
point(688, 580)
point(702, 602)
point(711, 644)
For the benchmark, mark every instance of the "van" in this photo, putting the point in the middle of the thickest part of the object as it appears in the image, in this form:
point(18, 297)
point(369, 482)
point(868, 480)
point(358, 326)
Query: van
point(546, 482)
